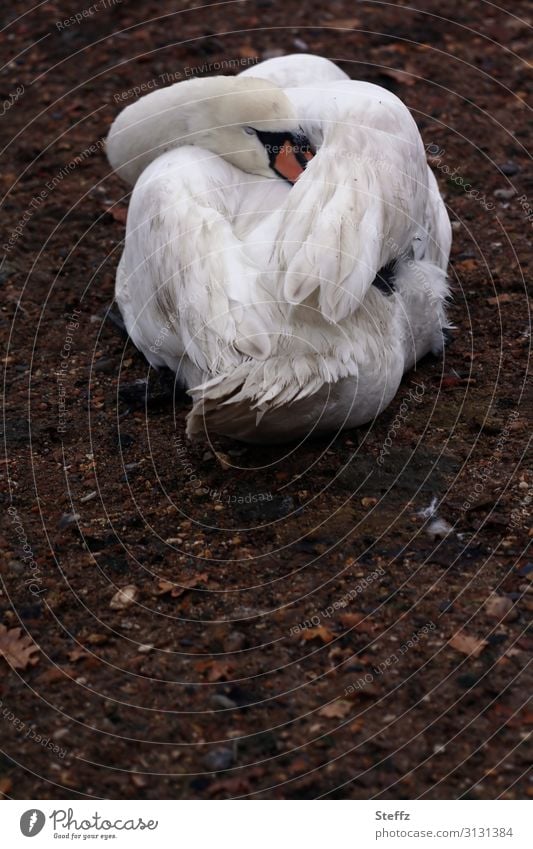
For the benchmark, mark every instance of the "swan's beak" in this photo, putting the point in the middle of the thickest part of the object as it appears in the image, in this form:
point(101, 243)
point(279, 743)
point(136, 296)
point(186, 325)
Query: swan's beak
point(288, 153)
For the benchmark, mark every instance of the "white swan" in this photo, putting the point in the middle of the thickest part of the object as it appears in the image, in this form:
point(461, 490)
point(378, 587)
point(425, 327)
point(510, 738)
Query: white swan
point(285, 309)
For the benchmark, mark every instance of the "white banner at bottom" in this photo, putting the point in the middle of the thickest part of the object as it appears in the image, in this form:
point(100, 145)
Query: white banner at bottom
point(262, 824)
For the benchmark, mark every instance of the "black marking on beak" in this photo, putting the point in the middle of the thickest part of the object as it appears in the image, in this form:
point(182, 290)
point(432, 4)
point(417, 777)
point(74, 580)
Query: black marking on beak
point(288, 153)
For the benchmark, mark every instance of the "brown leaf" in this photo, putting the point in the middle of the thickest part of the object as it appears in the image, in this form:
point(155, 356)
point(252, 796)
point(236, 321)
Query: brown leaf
point(321, 633)
point(56, 673)
point(17, 648)
point(248, 52)
point(217, 670)
point(403, 77)
point(345, 23)
point(467, 645)
point(504, 298)
point(336, 710)
point(466, 265)
point(77, 654)
point(358, 621)
point(180, 587)
point(118, 213)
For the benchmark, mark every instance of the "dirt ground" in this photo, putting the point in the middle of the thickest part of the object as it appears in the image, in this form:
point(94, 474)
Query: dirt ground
point(293, 624)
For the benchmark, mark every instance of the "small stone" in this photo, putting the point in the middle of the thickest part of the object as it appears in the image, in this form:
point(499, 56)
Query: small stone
point(500, 607)
point(509, 169)
point(526, 571)
point(222, 701)
point(504, 194)
point(219, 759)
point(88, 497)
point(124, 598)
point(273, 53)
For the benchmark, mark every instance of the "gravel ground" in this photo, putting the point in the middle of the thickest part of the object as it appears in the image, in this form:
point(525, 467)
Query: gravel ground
point(225, 621)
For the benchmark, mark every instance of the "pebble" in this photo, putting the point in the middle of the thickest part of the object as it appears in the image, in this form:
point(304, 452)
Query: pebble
point(500, 607)
point(509, 169)
point(16, 567)
point(88, 497)
point(272, 54)
point(222, 701)
point(124, 597)
point(504, 194)
point(219, 759)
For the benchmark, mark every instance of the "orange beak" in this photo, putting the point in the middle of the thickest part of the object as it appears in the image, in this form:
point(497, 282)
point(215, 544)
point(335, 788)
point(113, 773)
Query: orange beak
point(289, 153)
point(290, 163)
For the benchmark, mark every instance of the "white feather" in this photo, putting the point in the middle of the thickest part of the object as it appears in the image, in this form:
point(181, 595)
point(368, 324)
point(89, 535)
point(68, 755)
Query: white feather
point(260, 294)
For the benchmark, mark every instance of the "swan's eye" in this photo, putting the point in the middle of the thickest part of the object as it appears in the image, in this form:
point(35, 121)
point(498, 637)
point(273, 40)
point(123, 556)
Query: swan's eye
point(249, 131)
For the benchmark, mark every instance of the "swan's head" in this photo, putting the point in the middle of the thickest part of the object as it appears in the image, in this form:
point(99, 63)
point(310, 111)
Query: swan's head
point(248, 121)
point(251, 123)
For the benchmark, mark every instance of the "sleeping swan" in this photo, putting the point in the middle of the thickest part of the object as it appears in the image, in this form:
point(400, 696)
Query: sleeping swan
point(286, 246)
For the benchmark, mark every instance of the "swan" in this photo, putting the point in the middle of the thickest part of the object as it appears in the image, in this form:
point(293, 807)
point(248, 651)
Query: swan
point(286, 246)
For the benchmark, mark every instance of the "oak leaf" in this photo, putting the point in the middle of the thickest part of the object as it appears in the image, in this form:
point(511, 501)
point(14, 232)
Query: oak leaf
point(18, 649)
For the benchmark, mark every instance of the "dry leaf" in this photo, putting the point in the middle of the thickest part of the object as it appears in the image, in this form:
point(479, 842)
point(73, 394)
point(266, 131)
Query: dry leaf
point(350, 23)
point(336, 710)
point(504, 298)
point(124, 598)
point(77, 654)
point(118, 213)
point(404, 77)
point(358, 621)
point(467, 645)
point(248, 52)
point(56, 673)
point(466, 265)
point(176, 589)
point(321, 632)
point(217, 670)
point(17, 648)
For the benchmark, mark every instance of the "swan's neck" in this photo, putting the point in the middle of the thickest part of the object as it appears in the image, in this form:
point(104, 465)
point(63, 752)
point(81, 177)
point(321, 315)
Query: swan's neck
point(158, 122)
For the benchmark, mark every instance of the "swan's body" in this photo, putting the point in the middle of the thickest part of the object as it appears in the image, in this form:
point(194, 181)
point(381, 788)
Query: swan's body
point(284, 309)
